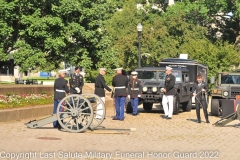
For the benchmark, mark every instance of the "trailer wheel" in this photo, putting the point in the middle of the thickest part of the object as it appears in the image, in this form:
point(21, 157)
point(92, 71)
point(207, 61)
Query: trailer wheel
point(175, 105)
point(98, 112)
point(187, 106)
point(215, 108)
point(147, 106)
point(74, 113)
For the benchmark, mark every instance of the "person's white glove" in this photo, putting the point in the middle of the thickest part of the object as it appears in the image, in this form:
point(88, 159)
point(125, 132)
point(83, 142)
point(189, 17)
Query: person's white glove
point(78, 90)
point(139, 95)
point(128, 96)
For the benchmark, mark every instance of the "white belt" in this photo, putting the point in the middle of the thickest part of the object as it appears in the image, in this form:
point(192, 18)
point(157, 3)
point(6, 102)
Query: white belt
point(60, 90)
point(135, 89)
point(120, 87)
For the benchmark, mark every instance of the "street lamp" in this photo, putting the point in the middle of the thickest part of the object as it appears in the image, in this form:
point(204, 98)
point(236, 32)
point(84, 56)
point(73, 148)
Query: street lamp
point(139, 29)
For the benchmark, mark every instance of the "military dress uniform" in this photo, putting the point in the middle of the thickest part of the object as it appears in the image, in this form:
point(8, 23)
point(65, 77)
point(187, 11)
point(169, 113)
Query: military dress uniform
point(99, 90)
point(168, 96)
point(120, 83)
point(134, 92)
point(76, 81)
point(200, 99)
point(60, 90)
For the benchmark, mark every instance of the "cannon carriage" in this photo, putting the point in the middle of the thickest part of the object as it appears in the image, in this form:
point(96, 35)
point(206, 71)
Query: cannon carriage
point(76, 113)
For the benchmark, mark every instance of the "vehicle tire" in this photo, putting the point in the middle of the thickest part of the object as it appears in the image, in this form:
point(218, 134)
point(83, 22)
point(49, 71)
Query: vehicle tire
point(147, 106)
point(175, 105)
point(129, 108)
point(187, 106)
point(215, 108)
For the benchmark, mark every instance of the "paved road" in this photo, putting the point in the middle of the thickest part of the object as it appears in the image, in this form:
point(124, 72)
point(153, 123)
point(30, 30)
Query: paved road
point(154, 138)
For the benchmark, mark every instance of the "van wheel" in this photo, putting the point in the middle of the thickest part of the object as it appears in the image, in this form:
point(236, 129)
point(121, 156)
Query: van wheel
point(175, 105)
point(187, 106)
point(215, 108)
point(129, 108)
point(147, 106)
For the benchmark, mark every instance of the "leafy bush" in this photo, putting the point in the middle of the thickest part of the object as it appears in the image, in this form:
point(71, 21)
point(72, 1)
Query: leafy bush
point(91, 76)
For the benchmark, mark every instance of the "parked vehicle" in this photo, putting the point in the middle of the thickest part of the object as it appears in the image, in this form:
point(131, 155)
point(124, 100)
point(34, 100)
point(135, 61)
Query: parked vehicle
point(226, 89)
point(153, 79)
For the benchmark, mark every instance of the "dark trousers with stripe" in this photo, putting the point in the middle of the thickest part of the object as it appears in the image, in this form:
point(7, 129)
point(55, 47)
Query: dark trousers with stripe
point(120, 105)
point(134, 103)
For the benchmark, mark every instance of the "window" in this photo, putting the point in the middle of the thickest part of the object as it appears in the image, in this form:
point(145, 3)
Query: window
point(230, 79)
point(177, 75)
point(147, 75)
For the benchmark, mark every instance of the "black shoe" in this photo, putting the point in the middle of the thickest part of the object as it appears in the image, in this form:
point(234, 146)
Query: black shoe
point(198, 121)
point(207, 121)
point(165, 117)
point(169, 118)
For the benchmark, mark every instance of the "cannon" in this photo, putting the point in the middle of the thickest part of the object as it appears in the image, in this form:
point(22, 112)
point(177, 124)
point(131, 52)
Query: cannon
point(234, 116)
point(75, 113)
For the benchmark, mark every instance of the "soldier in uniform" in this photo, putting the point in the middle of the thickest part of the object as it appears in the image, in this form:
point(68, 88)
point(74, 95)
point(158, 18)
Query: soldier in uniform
point(60, 90)
point(120, 83)
point(99, 90)
point(169, 92)
point(76, 82)
point(134, 92)
point(200, 90)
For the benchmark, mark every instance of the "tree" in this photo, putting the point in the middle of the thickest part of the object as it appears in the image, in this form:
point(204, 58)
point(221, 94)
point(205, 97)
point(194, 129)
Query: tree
point(49, 31)
point(167, 33)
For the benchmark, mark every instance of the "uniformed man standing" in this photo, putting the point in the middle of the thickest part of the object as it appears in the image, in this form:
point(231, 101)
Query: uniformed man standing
point(134, 92)
point(76, 82)
point(60, 90)
point(169, 92)
point(120, 83)
point(200, 90)
point(99, 90)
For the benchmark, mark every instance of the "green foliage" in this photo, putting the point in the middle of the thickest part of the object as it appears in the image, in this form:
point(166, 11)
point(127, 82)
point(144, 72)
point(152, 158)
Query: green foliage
point(45, 33)
point(91, 76)
point(95, 34)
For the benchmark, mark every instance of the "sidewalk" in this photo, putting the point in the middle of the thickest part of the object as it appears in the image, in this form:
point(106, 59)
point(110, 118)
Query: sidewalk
point(154, 138)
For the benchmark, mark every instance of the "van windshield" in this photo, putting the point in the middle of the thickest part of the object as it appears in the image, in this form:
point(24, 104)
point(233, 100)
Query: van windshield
point(230, 79)
point(147, 75)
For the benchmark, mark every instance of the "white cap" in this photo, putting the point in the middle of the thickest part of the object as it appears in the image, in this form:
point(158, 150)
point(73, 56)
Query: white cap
point(104, 69)
point(62, 71)
point(118, 69)
point(134, 73)
point(168, 68)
